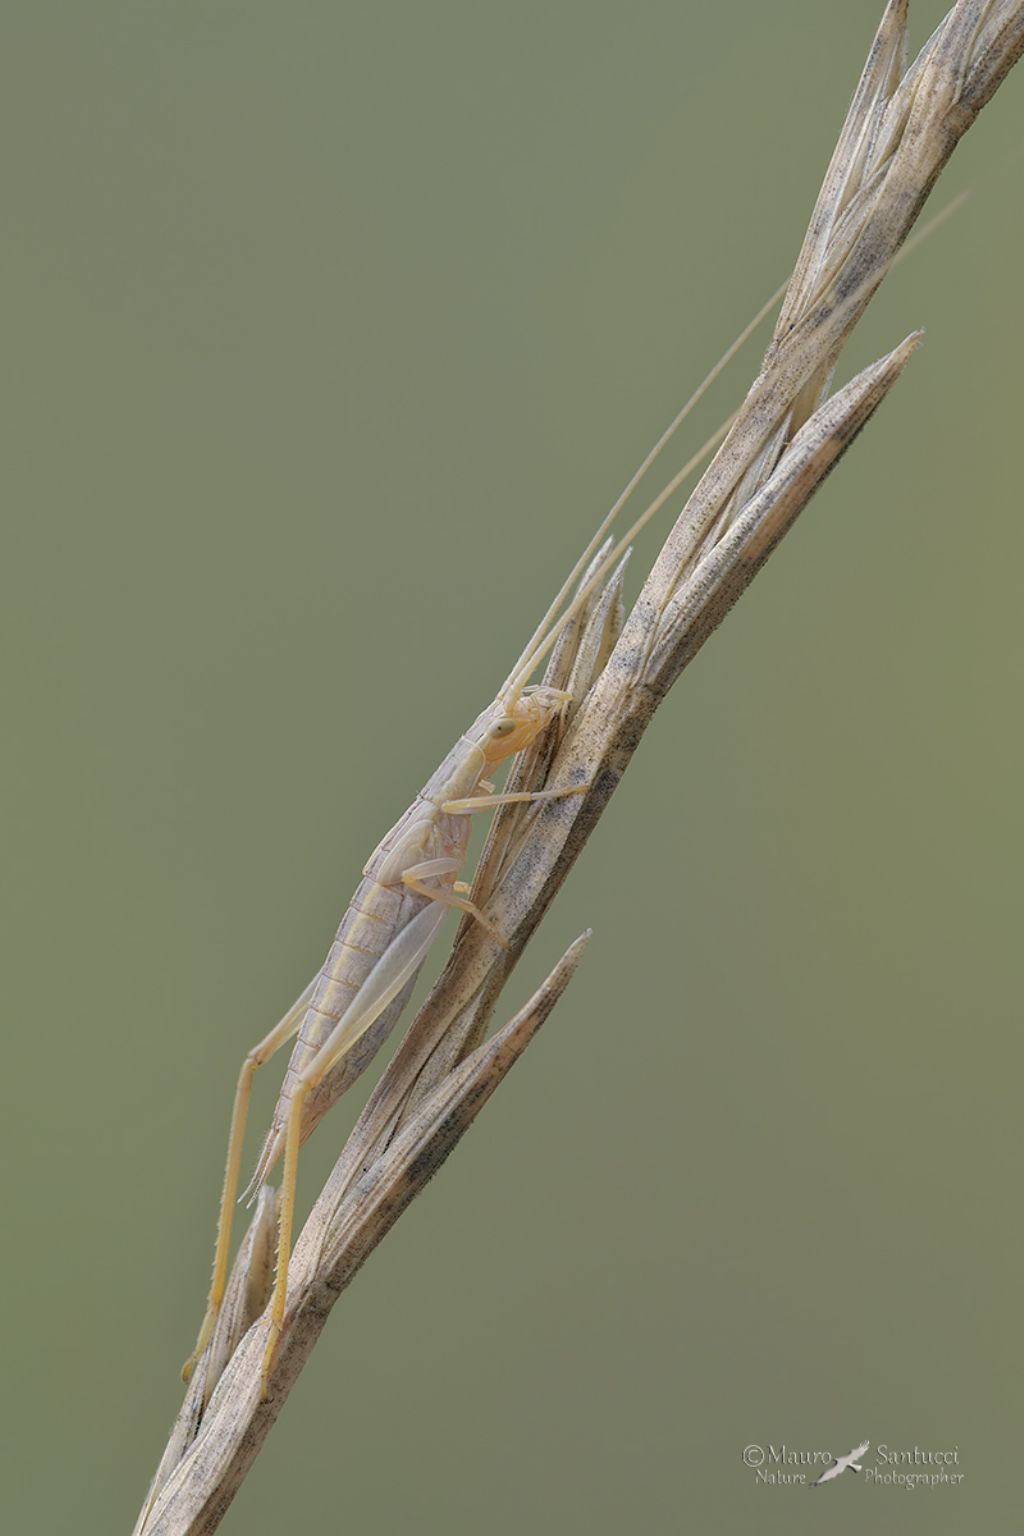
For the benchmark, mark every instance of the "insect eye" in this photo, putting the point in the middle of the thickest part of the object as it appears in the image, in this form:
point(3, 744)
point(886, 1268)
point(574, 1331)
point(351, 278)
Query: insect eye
point(503, 727)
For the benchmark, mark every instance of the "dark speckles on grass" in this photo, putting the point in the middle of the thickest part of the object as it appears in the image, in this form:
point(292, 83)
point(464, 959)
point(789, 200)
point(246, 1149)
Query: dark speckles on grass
point(901, 128)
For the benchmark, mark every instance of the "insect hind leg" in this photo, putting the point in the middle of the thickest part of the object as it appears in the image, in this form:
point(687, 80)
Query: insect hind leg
point(281, 1033)
point(396, 966)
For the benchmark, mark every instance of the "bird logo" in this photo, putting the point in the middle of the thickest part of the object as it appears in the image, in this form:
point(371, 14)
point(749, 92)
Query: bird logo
point(841, 1463)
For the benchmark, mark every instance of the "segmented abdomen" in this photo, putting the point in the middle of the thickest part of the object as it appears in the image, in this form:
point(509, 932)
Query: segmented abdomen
point(370, 923)
point(364, 933)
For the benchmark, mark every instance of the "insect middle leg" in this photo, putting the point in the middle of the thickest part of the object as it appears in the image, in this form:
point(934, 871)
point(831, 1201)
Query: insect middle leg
point(281, 1033)
point(419, 877)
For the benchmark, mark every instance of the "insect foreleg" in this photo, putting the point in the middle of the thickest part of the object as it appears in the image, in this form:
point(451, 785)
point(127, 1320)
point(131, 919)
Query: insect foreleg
point(281, 1033)
point(491, 802)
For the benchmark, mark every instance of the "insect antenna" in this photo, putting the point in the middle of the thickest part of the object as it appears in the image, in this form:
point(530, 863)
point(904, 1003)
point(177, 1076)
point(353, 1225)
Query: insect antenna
point(546, 639)
point(543, 636)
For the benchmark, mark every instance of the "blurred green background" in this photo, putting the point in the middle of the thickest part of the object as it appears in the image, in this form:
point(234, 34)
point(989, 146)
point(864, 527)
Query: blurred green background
point(330, 332)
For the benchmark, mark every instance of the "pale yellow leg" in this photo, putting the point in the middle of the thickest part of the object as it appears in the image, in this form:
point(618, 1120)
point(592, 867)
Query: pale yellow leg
point(260, 1054)
point(491, 802)
point(447, 899)
point(286, 1217)
point(400, 961)
point(416, 877)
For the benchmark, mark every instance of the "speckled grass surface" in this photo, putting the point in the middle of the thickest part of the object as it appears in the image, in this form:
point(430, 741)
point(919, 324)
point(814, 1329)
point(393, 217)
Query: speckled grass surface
point(902, 127)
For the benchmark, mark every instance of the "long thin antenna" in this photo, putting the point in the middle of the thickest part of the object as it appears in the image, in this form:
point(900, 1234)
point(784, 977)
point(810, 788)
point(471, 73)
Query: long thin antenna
point(922, 234)
point(634, 481)
point(531, 659)
point(542, 640)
